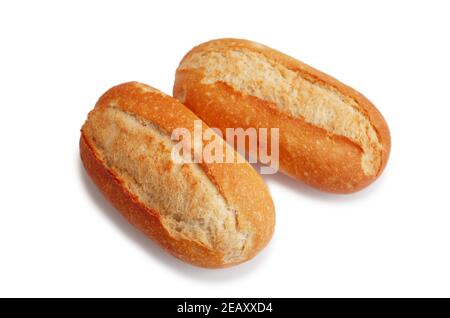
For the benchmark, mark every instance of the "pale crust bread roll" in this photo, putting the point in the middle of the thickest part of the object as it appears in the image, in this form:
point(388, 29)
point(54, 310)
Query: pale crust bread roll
point(208, 214)
point(331, 136)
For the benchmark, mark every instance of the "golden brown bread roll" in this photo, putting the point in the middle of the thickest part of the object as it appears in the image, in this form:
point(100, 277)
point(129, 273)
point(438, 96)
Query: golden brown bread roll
point(331, 136)
point(207, 214)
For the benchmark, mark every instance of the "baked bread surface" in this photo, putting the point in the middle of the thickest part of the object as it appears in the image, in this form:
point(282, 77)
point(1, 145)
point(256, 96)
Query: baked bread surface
point(331, 136)
point(207, 214)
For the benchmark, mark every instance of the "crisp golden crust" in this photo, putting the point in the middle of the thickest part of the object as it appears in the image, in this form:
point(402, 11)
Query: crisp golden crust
point(342, 154)
point(198, 212)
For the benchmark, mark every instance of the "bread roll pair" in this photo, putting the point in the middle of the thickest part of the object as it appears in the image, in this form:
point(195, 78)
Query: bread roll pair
point(218, 214)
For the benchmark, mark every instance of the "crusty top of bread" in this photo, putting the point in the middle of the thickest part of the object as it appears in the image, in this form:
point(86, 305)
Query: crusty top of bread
point(295, 89)
point(207, 204)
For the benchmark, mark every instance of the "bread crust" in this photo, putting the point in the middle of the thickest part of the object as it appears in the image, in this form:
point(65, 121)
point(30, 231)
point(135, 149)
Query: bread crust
point(239, 185)
point(327, 161)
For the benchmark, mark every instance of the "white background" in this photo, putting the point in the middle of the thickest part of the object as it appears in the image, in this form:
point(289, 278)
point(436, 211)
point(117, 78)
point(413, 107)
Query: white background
point(59, 237)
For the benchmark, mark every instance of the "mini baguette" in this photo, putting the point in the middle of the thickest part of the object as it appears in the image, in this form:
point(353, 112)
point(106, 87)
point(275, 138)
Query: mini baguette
point(208, 214)
point(331, 136)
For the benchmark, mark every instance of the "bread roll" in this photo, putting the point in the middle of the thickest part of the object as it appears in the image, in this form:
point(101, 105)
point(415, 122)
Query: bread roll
point(208, 214)
point(331, 136)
